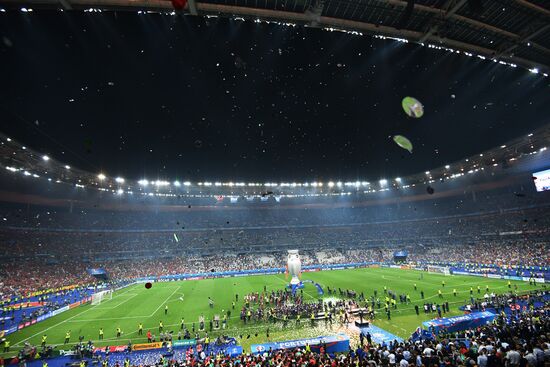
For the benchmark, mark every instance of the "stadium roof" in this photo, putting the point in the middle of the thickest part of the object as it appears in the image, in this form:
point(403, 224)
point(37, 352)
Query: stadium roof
point(511, 31)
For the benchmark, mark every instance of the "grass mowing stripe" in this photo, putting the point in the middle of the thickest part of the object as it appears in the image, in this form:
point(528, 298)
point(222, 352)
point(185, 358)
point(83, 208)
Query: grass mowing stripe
point(137, 304)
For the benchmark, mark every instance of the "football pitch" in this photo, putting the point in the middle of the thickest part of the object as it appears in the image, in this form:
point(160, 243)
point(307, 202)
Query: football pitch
point(189, 299)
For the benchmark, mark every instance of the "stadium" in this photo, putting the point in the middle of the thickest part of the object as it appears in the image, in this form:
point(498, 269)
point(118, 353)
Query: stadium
point(167, 210)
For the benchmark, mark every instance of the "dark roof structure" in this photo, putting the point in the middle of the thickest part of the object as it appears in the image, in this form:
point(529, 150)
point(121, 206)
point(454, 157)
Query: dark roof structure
point(513, 31)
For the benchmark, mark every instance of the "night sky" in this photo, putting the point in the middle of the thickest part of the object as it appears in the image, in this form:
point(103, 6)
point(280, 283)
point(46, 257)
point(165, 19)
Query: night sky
point(157, 96)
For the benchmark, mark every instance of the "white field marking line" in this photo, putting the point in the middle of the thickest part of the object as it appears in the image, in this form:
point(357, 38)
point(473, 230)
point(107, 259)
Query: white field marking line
point(59, 323)
point(115, 296)
point(112, 318)
point(121, 303)
point(165, 301)
point(459, 287)
point(273, 327)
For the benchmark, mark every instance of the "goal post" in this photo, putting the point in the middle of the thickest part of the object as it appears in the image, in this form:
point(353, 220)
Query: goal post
point(99, 297)
point(445, 270)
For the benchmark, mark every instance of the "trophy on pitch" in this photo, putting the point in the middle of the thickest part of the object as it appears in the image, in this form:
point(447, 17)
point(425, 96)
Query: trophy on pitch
point(294, 266)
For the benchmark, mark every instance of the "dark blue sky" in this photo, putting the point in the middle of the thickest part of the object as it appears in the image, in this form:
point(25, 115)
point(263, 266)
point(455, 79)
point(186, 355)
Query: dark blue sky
point(194, 98)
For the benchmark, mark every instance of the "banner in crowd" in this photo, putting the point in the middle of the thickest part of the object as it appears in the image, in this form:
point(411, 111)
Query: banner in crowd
point(458, 323)
point(334, 344)
point(147, 346)
point(184, 343)
point(112, 349)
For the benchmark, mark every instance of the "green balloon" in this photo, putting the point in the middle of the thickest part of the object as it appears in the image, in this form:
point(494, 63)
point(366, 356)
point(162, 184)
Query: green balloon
point(403, 142)
point(412, 107)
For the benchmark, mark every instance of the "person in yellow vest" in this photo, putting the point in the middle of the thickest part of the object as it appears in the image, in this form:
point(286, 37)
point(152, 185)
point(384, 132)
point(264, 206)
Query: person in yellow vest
point(439, 293)
point(82, 363)
point(44, 364)
point(161, 326)
point(118, 332)
point(478, 289)
point(414, 286)
point(298, 319)
point(44, 338)
point(206, 342)
point(509, 284)
point(67, 336)
point(6, 346)
point(105, 363)
point(385, 289)
point(454, 292)
point(487, 288)
point(284, 320)
point(471, 291)
point(166, 310)
point(182, 323)
point(312, 319)
point(140, 329)
point(126, 362)
point(100, 333)
point(443, 283)
point(308, 348)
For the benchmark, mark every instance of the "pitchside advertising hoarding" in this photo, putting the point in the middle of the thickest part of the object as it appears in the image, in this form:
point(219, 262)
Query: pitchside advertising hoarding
point(542, 180)
point(23, 325)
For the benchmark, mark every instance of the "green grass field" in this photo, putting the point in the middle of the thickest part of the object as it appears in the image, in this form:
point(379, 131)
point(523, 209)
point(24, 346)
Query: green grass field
point(135, 304)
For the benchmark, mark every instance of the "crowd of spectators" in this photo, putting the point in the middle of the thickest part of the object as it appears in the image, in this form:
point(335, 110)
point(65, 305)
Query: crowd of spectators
point(518, 339)
point(50, 247)
point(24, 276)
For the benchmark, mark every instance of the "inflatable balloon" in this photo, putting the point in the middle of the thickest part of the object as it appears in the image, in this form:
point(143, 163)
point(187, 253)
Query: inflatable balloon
point(403, 142)
point(412, 107)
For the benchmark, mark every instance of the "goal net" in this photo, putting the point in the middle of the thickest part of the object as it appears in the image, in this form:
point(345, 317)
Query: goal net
point(99, 297)
point(438, 269)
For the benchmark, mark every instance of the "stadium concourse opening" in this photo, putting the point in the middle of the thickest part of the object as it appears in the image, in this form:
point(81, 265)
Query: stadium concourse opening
point(289, 184)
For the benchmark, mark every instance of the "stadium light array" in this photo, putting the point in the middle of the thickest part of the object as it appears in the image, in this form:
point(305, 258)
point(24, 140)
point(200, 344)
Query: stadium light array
point(45, 158)
point(120, 191)
point(143, 182)
point(398, 179)
point(101, 176)
point(67, 167)
point(383, 181)
point(177, 183)
point(119, 180)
